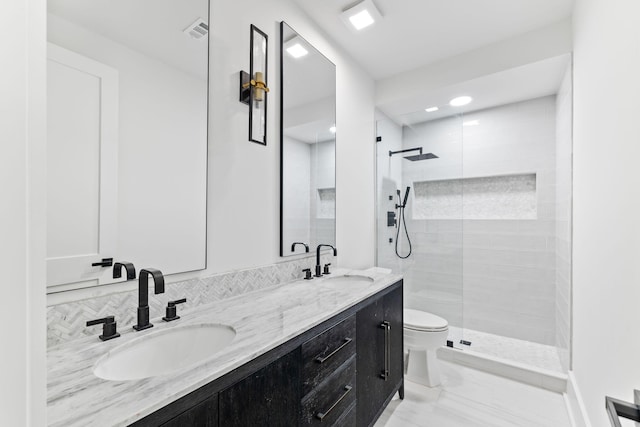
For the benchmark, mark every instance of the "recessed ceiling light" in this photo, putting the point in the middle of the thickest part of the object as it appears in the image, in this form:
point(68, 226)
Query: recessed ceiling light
point(297, 51)
point(471, 123)
point(332, 129)
point(431, 109)
point(362, 15)
point(460, 101)
point(361, 19)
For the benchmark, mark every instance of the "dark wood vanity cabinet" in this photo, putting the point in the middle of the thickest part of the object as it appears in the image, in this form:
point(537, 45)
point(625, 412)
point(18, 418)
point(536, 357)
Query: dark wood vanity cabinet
point(268, 397)
point(379, 355)
point(329, 375)
point(341, 373)
point(204, 414)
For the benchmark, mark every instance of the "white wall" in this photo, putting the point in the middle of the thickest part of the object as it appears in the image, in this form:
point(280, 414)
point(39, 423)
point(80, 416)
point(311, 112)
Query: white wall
point(244, 177)
point(606, 249)
point(22, 220)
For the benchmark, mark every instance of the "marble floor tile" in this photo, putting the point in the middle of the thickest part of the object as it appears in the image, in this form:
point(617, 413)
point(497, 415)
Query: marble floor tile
point(470, 398)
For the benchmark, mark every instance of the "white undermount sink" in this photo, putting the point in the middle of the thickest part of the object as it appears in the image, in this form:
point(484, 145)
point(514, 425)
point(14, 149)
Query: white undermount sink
point(164, 352)
point(348, 280)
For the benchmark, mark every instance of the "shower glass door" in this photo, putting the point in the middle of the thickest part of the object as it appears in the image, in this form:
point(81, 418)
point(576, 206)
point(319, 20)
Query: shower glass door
point(422, 239)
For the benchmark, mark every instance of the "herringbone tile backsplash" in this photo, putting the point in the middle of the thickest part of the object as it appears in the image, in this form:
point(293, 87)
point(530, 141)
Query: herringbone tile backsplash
point(66, 322)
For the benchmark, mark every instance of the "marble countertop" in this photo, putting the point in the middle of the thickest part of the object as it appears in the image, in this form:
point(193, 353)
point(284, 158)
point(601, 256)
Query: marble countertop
point(262, 319)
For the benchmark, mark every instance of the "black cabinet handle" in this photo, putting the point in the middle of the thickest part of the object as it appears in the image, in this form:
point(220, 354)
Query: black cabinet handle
point(330, 355)
point(106, 262)
point(387, 350)
point(321, 415)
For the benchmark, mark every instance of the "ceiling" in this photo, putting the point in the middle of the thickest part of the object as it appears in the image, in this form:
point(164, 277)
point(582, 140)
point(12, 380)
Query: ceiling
point(529, 81)
point(414, 33)
point(153, 27)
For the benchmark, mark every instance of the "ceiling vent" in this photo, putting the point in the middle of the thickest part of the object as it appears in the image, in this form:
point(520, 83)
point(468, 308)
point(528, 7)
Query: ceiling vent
point(198, 30)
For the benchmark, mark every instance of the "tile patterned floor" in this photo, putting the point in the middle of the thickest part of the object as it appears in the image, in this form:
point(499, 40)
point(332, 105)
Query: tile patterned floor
point(530, 353)
point(470, 398)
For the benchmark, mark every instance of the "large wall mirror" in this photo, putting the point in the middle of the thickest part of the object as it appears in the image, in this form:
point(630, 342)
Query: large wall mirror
point(127, 138)
point(308, 145)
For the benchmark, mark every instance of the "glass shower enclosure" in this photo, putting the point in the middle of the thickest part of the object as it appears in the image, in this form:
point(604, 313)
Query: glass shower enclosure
point(484, 238)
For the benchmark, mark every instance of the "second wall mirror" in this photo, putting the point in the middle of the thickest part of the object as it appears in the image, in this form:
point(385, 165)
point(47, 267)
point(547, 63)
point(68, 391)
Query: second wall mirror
point(308, 145)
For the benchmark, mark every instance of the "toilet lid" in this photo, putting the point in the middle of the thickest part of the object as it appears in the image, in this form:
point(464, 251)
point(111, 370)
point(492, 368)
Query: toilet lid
point(423, 321)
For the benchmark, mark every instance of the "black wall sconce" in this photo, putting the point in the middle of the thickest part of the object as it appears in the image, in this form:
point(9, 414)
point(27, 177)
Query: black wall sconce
point(253, 86)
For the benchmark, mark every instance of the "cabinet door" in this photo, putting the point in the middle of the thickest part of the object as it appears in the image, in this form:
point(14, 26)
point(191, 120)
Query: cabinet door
point(371, 387)
point(392, 303)
point(204, 414)
point(269, 397)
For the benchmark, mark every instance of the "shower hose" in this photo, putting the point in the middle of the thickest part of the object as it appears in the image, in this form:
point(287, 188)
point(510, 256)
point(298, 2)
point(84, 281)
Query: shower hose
point(402, 221)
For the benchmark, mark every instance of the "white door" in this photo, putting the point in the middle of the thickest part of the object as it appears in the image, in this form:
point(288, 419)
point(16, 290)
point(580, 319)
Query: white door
point(82, 155)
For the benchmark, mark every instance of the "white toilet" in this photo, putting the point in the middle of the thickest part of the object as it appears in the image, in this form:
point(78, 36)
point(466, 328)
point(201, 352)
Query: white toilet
point(424, 333)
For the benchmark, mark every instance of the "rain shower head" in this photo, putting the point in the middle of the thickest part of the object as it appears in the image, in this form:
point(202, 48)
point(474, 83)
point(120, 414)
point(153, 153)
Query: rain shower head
point(421, 157)
point(416, 157)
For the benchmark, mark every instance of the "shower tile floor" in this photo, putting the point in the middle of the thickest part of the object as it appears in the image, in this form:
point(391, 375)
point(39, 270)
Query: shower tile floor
point(471, 398)
point(530, 353)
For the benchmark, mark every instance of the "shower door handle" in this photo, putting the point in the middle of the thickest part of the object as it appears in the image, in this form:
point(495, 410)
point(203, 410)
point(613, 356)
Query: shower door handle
point(387, 350)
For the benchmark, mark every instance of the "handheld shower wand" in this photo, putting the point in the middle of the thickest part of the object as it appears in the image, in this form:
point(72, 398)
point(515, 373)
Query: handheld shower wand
point(402, 222)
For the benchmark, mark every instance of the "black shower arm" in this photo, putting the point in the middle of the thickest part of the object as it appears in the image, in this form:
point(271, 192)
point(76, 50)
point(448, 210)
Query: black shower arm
point(408, 150)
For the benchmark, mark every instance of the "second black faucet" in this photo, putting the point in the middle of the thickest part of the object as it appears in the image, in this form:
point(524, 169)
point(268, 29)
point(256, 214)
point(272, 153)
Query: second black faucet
point(318, 266)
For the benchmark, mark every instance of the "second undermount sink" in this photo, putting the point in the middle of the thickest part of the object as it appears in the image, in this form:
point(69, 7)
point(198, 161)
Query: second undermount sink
point(348, 280)
point(164, 352)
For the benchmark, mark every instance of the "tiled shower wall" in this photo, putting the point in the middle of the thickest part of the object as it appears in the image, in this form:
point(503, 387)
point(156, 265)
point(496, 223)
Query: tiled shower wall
point(66, 321)
point(564, 167)
point(494, 275)
point(309, 174)
point(389, 177)
point(323, 192)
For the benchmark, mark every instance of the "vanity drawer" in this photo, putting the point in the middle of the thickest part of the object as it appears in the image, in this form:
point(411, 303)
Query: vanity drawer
point(330, 403)
point(323, 354)
point(348, 419)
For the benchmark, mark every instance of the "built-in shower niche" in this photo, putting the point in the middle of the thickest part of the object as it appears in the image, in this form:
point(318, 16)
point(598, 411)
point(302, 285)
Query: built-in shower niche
point(323, 225)
point(489, 197)
point(326, 208)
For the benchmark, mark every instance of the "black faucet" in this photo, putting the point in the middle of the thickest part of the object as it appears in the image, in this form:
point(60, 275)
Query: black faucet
point(293, 246)
point(117, 270)
point(143, 295)
point(318, 266)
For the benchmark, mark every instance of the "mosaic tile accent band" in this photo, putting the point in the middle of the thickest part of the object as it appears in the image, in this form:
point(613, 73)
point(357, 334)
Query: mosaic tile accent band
point(66, 322)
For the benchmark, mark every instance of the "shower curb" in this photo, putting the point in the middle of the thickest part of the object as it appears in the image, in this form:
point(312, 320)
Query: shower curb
point(542, 378)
